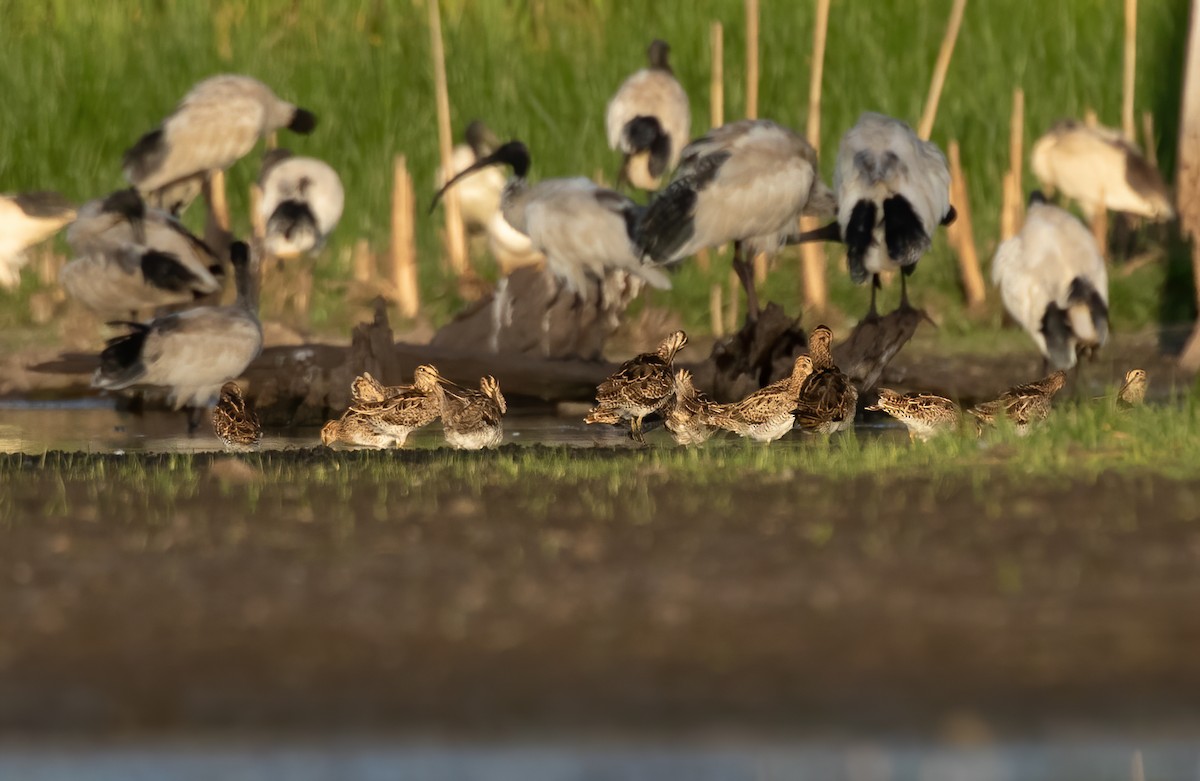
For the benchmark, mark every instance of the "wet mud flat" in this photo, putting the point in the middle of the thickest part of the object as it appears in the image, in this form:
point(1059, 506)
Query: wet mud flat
point(452, 594)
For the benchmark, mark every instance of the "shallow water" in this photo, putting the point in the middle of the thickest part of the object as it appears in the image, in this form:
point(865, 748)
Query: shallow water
point(597, 761)
point(94, 425)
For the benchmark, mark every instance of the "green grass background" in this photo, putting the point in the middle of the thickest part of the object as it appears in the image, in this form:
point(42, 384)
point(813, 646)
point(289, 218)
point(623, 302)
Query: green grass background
point(82, 81)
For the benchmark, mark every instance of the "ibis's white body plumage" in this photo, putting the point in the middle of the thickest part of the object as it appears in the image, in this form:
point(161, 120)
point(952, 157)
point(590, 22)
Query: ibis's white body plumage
point(511, 248)
point(1053, 281)
point(218, 122)
point(583, 229)
point(748, 181)
point(882, 164)
point(27, 219)
point(193, 353)
point(302, 202)
point(655, 93)
point(190, 353)
point(113, 273)
point(478, 193)
point(1098, 168)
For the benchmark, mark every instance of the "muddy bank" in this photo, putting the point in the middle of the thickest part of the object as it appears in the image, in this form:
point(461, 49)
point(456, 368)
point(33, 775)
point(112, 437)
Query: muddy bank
point(495, 605)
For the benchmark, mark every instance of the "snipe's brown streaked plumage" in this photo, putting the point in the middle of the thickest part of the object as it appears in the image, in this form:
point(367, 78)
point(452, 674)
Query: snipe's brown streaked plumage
point(1133, 391)
point(234, 420)
point(768, 413)
point(828, 399)
point(1024, 405)
point(472, 419)
point(690, 414)
point(356, 430)
point(925, 415)
point(397, 416)
point(641, 386)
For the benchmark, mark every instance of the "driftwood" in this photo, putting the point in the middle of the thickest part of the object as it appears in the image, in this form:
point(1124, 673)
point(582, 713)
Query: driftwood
point(760, 353)
point(874, 342)
point(531, 313)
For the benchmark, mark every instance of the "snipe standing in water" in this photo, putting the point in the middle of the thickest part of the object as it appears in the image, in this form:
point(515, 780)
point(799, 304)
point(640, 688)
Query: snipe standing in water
point(234, 420)
point(828, 399)
point(1024, 405)
point(768, 413)
point(472, 419)
point(1133, 392)
point(356, 430)
point(641, 386)
point(398, 415)
point(691, 414)
point(925, 415)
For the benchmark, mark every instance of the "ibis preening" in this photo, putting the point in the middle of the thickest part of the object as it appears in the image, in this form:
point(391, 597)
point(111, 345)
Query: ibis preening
point(218, 122)
point(190, 353)
point(893, 190)
point(479, 193)
point(27, 219)
point(747, 182)
point(1054, 283)
point(1098, 168)
point(302, 200)
point(583, 229)
point(128, 258)
point(649, 121)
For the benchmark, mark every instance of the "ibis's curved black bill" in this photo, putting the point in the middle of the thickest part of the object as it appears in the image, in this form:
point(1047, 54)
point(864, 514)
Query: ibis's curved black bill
point(514, 154)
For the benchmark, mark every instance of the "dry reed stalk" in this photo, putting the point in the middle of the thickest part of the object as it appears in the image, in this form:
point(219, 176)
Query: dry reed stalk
point(752, 59)
point(929, 114)
point(962, 233)
point(716, 86)
point(455, 235)
point(403, 247)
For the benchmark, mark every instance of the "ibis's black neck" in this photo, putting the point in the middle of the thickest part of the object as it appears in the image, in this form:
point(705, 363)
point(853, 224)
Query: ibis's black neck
point(513, 154)
point(243, 279)
point(659, 54)
point(127, 203)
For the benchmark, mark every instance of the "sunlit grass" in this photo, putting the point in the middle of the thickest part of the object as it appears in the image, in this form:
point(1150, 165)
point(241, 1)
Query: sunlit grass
point(1078, 442)
point(82, 81)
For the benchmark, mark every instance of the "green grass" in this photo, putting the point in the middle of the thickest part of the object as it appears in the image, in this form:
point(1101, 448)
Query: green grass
point(81, 82)
point(1079, 442)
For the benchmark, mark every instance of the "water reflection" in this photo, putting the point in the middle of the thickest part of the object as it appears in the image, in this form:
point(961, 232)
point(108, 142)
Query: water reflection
point(94, 425)
point(356, 761)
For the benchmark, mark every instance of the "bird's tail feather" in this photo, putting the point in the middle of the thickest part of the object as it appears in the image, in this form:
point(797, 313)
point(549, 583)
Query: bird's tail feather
point(1087, 312)
point(1056, 330)
point(859, 235)
point(906, 238)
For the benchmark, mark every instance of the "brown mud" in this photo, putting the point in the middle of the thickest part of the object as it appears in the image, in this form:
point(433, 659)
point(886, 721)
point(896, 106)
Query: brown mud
point(649, 605)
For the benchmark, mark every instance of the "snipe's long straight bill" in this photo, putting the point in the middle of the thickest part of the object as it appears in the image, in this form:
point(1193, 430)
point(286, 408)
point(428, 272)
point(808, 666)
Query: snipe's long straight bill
point(514, 154)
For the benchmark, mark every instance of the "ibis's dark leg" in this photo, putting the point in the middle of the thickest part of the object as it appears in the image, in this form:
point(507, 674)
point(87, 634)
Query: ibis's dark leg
point(904, 289)
point(873, 313)
point(194, 416)
point(744, 268)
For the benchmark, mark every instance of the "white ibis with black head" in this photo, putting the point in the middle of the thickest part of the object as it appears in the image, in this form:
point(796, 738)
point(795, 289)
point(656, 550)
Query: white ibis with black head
point(649, 120)
point(28, 219)
point(893, 190)
point(1053, 281)
point(479, 193)
point(218, 122)
point(302, 201)
point(747, 182)
point(190, 353)
point(1100, 169)
point(583, 229)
